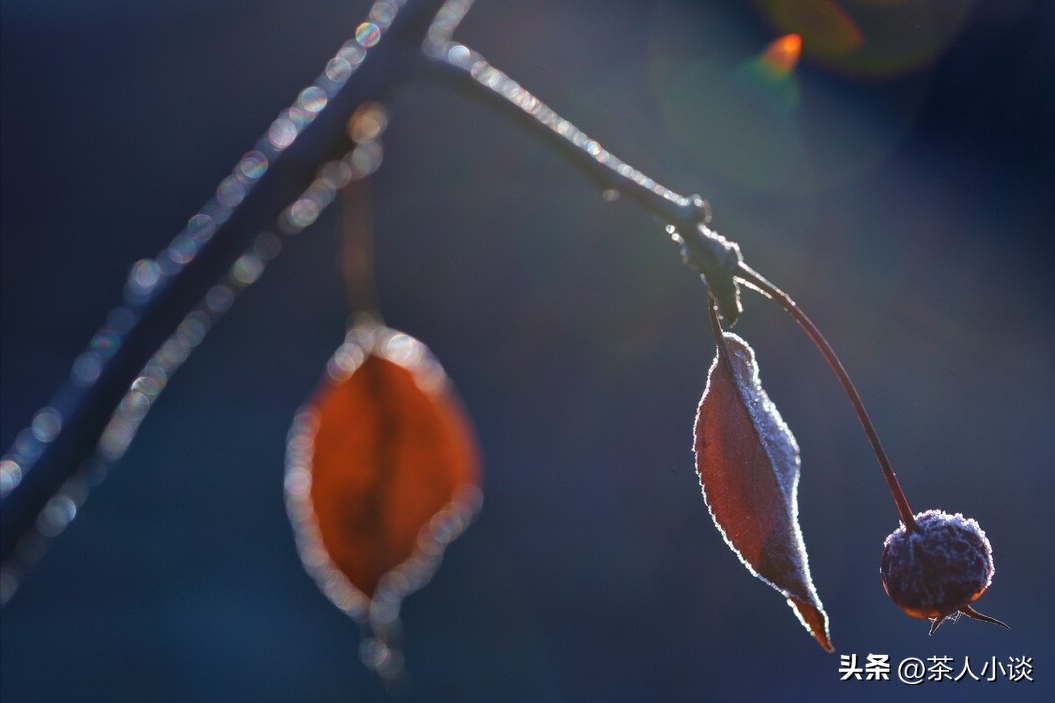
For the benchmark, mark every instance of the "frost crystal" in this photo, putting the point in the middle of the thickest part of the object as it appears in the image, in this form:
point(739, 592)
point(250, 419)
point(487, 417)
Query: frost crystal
point(748, 463)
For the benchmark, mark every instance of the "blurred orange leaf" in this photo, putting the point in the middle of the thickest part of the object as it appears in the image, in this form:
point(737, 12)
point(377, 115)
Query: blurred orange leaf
point(748, 463)
point(382, 473)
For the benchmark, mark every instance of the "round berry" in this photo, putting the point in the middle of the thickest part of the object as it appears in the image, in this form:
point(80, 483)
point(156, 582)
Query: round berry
point(939, 568)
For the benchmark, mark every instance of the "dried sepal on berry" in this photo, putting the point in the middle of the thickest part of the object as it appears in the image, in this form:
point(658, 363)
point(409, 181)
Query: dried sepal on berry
point(938, 569)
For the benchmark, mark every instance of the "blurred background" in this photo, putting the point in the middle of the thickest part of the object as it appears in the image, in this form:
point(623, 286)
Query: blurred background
point(897, 181)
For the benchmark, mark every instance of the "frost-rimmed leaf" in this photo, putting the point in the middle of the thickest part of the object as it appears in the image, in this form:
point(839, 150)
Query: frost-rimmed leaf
point(748, 464)
point(382, 473)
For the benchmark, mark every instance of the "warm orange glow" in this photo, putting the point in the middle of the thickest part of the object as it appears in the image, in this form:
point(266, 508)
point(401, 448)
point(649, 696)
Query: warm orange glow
point(827, 27)
point(782, 54)
point(389, 455)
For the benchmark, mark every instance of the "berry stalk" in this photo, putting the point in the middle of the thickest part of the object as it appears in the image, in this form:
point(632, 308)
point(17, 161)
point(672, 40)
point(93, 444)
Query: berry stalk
point(751, 277)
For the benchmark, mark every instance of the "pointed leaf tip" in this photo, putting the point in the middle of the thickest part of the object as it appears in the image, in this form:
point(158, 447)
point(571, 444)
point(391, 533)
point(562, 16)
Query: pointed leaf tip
point(814, 619)
point(748, 464)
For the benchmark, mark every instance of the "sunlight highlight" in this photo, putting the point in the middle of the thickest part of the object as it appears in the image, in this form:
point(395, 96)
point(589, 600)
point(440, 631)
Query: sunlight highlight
point(878, 38)
point(780, 57)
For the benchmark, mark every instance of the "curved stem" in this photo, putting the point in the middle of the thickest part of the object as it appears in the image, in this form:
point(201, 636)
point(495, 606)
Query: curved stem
point(753, 278)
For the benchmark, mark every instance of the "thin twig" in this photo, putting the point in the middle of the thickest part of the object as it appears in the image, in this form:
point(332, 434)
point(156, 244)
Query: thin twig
point(48, 471)
point(471, 72)
point(38, 469)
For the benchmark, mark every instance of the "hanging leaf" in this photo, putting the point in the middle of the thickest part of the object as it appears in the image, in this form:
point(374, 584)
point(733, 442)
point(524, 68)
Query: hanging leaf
point(382, 473)
point(748, 463)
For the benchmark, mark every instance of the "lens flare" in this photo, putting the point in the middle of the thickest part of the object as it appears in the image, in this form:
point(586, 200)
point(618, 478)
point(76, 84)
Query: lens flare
point(873, 38)
point(768, 80)
point(781, 55)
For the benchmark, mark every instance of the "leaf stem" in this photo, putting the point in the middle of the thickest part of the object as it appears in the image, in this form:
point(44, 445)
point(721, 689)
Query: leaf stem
point(719, 333)
point(357, 250)
point(756, 280)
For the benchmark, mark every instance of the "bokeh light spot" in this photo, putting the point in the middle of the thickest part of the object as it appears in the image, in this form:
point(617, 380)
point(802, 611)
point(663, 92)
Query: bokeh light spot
point(282, 133)
point(312, 99)
point(366, 158)
point(47, 424)
point(338, 70)
point(368, 34)
point(86, 369)
point(367, 123)
point(303, 212)
point(10, 475)
point(253, 165)
point(230, 192)
point(201, 227)
point(247, 269)
point(144, 275)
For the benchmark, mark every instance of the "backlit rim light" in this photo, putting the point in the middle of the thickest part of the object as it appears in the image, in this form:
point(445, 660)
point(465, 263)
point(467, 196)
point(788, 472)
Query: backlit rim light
point(380, 613)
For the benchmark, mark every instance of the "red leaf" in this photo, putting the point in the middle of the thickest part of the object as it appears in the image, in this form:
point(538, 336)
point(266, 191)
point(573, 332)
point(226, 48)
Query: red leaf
point(748, 462)
point(382, 473)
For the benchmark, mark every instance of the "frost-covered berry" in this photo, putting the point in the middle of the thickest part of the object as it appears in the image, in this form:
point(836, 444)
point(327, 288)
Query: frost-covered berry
point(938, 569)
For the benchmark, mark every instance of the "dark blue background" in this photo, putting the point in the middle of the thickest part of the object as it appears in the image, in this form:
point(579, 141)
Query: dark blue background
point(910, 213)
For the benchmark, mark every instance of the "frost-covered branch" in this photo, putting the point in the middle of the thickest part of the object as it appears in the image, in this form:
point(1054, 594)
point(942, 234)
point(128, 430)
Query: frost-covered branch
point(278, 188)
